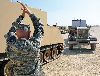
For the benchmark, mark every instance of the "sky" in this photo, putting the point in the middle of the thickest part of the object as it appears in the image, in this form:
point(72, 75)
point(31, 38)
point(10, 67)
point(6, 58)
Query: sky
point(63, 12)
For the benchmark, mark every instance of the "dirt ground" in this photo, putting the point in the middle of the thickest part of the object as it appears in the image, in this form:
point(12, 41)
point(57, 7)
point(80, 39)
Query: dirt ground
point(79, 62)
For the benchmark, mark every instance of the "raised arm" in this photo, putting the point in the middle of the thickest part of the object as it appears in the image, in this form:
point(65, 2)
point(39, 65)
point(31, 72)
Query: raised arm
point(10, 36)
point(38, 32)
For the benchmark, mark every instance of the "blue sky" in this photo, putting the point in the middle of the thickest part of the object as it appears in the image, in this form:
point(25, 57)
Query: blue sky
point(63, 11)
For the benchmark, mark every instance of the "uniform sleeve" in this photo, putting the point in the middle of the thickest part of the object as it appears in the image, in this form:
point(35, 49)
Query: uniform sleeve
point(10, 36)
point(38, 29)
point(19, 20)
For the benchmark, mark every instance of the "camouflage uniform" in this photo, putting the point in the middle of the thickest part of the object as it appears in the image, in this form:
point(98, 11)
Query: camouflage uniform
point(24, 53)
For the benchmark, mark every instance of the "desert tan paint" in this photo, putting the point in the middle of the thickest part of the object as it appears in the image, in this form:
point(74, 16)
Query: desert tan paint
point(10, 11)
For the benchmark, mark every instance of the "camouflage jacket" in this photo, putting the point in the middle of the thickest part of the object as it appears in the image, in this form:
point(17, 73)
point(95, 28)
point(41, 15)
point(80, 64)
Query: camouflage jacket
point(24, 53)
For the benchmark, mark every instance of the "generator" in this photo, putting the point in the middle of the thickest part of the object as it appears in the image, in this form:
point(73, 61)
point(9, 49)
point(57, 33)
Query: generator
point(79, 35)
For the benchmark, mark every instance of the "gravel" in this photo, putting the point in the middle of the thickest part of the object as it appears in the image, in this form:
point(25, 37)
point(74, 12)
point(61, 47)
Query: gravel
point(79, 62)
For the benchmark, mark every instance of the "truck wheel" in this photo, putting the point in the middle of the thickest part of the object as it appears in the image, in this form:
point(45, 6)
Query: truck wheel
point(71, 47)
point(93, 46)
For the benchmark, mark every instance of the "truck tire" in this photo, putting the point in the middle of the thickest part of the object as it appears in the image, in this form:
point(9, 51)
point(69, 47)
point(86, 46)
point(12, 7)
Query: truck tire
point(71, 47)
point(93, 39)
point(93, 46)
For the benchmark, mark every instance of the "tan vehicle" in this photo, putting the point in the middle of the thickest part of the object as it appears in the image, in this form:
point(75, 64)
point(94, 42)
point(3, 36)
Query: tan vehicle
point(79, 35)
point(51, 44)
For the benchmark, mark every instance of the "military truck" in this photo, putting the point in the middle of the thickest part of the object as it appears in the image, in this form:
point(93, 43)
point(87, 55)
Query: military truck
point(79, 35)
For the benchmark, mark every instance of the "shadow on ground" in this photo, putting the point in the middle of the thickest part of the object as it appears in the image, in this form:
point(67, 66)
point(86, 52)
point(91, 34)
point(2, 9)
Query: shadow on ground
point(76, 51)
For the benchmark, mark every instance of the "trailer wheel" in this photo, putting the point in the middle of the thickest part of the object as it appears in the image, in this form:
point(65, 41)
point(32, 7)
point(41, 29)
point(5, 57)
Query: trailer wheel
point(59, 49)
point(93, 46)
point(70, 47)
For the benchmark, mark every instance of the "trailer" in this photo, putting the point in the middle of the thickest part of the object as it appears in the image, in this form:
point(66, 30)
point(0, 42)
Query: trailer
point(79, 35)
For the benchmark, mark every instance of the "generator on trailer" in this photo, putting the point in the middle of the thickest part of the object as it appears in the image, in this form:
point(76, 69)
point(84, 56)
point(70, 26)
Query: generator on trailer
point(79, 35)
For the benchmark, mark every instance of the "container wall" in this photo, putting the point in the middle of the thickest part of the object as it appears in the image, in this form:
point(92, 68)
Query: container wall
point(8, 14)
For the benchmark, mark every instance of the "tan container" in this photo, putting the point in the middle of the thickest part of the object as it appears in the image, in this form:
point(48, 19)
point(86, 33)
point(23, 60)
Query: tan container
point(8, 14)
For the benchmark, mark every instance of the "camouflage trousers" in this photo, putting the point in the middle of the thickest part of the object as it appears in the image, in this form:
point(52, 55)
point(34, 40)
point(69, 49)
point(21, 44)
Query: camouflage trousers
point(26, 69)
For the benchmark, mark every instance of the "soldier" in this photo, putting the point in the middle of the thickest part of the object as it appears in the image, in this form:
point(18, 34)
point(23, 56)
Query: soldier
point(23, 51)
